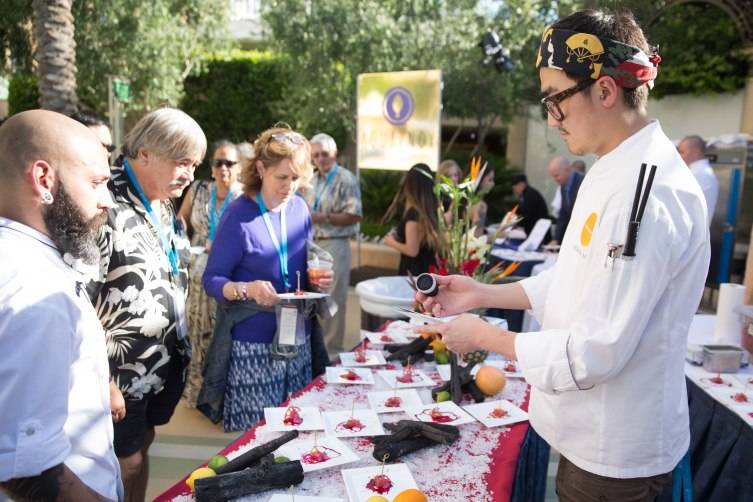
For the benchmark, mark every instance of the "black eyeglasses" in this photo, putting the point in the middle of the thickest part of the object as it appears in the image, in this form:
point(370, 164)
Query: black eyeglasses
point(552, 103)
point(110, 148)
point(293, 137)
point(224, 162)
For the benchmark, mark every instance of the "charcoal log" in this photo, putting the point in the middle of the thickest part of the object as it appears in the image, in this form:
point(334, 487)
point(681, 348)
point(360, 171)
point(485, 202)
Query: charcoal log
point(456, 387)
point(252, 456)
point(416, 347)
point(475, 392)
point(260, 479)
point(394, 451)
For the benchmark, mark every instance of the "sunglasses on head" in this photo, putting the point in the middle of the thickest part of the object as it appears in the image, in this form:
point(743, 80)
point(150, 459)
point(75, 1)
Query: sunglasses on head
point(224, 162)
point(293, 137)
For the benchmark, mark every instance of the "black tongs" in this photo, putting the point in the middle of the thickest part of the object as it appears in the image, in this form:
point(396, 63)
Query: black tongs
point(636, 213)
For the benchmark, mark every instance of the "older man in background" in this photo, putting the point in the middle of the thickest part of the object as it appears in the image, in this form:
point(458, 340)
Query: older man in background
point(140, 289)
point(335, 204)
point(569, 181)
point(693, 151)
point(55, 434)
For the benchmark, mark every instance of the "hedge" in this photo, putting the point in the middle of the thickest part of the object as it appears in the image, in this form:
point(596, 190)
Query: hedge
point(237, 94)
point(23, 93)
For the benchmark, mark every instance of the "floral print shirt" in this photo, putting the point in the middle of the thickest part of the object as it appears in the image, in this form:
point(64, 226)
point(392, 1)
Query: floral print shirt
point(138, 299)
point(341, 195)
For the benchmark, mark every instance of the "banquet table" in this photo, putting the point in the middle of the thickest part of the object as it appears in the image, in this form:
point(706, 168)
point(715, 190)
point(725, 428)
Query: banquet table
point(481, 465)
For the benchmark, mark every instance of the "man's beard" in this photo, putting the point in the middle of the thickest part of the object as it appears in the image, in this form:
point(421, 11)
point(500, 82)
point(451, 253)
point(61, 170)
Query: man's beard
point(69, 229)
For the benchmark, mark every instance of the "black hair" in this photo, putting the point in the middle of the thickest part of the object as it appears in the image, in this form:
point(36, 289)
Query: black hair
point(89, 118)
point(620, 26)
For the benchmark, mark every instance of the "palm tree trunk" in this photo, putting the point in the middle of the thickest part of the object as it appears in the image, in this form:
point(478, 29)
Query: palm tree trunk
point(55, 55)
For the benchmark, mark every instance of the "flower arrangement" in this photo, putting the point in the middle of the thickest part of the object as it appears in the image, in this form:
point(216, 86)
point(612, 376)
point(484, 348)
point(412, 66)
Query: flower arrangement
point(462, 252)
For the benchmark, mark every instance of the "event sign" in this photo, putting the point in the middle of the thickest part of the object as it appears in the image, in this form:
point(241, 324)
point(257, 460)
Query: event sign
point(399, 119)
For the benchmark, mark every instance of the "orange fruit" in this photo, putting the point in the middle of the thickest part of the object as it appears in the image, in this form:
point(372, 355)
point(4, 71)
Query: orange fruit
point(410, 495)
point(490, 380)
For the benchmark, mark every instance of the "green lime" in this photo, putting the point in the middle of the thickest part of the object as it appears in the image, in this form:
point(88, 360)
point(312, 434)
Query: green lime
point(217, 461)
point(281, 460)
point(443, 396)
point(442, 357)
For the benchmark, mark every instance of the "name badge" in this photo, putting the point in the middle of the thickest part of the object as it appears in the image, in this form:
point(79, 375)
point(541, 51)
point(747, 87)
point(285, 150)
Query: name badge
point(181, 318)
point(288, 325)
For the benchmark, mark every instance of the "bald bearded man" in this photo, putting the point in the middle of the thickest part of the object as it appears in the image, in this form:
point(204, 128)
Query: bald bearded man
point(56, 433)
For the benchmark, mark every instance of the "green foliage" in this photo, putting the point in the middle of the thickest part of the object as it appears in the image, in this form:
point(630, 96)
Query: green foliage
point(378, 188)
point(330, 42)
point(23, 93)
point(155, 44)
point(699, 45)
point(700, 49)
point(238, 94)
point(15, 28)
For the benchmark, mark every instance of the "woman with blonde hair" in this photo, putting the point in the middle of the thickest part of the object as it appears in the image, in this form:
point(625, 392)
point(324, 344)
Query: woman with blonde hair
point(416, 236)
point(259, 251)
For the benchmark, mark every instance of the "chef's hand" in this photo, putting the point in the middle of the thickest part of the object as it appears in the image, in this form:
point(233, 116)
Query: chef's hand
point(117, 403)
point(456, 295)
point(263, 293)
point(324, 281)
point(462, 334)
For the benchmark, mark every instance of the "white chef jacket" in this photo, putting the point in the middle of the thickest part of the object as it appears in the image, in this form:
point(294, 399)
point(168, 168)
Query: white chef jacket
point(607, 367)
point(704, 174)
point(54, 396)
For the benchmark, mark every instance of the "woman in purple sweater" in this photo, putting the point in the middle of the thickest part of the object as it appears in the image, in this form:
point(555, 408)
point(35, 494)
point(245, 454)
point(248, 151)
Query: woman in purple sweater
point(258, 249)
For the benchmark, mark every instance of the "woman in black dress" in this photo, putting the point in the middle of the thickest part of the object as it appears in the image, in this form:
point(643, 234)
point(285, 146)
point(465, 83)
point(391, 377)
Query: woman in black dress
point(416, 236)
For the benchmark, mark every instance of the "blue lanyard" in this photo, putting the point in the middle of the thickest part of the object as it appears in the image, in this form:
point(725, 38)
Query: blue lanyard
point(167, 247)
point(282, 250)
point(214, 216)
point(327, 181)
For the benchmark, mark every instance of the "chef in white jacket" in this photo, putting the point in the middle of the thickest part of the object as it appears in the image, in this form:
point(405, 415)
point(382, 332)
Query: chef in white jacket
point(607, 367)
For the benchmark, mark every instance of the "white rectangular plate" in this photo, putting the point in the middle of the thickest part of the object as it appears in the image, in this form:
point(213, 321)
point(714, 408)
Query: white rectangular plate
point(307, 295)
point(357, 479)
point(373, 358)
point(420, 379)
point(333, 376)
point(296, 449)
point(708, 380)
point(422, 413)
point(726, 396)
point(422, 318)
point(481, 412)
point(368, 417)
point(394, 337)
point(408, 397)
point(505, 366)
point(302, 498)
point(312, 419)
point(444, 371)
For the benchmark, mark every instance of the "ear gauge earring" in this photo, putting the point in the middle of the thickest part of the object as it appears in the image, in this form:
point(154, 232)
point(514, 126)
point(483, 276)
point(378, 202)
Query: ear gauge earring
point(47, 198)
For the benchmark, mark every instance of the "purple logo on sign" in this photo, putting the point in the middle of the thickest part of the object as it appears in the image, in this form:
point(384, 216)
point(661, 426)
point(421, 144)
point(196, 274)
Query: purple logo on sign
point(398, 105)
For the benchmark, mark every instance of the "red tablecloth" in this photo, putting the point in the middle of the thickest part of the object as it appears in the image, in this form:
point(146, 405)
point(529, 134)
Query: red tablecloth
point(495, 485)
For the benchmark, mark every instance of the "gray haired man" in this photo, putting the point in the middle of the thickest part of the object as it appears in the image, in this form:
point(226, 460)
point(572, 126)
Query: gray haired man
point(335, 204)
